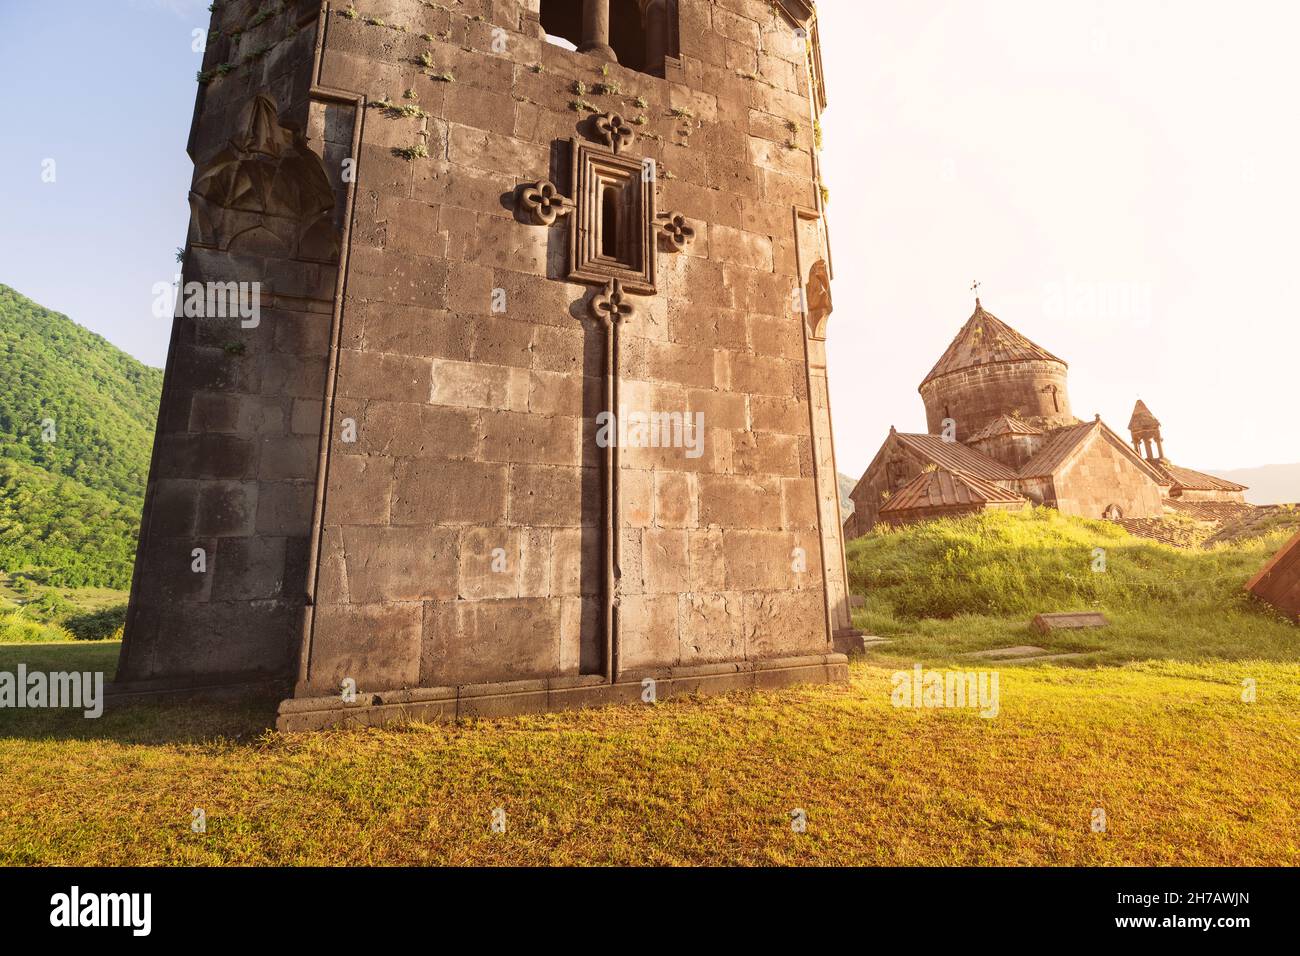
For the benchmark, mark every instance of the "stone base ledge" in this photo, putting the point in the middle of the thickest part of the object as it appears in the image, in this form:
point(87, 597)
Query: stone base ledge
point(537, 696)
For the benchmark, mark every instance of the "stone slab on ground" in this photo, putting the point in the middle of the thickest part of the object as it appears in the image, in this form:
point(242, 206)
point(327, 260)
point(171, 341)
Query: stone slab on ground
point(1040, 658)
point(997, 653)
point(1071, 621)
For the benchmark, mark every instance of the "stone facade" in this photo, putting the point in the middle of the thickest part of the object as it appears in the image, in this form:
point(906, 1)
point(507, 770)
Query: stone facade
point(477, 244)
point(998, 410)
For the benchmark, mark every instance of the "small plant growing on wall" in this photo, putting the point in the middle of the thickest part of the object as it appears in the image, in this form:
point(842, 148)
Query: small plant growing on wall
point(418, 151)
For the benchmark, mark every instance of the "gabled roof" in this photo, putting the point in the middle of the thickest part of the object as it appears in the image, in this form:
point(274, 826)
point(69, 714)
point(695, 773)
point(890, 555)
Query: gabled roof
point(1142, 418)
point(1064, 443)
point(1189, 480)
point(941, 488)
point(954, 456)
point(1005, 425)
point(986, 340)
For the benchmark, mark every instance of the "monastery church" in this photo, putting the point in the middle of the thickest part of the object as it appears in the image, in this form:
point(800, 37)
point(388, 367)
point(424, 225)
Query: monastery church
point(1001, 435)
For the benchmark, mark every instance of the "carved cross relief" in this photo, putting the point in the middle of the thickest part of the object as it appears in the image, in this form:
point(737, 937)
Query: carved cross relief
point(615, 228)
point(615, 232)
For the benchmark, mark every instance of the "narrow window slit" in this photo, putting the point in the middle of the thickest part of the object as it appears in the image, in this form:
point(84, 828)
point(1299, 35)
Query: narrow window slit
point(611, 200)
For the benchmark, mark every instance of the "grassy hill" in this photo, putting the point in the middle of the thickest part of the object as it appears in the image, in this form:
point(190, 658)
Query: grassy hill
point(70, 506)
point(950, 587)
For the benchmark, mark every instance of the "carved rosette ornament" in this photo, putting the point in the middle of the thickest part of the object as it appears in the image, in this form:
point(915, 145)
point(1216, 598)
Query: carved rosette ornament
point(615, 131)
point(543, 203)
point(675, 231)
point(611, 305)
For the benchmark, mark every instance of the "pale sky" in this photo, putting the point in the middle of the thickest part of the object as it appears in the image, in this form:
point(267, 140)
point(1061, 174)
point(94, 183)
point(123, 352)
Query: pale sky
point(1121, 177)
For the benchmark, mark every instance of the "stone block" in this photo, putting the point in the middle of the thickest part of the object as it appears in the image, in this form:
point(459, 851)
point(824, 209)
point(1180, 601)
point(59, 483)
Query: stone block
point(711, 627)
point(227, 509)
point(730, 501)
point(471, 385)
point(784, 622)
point(360, 490)
point(247, 569)
point(383, 377)
point(510, 436)
point(377, 645)
point(429, 491)
point(472, 641)
point(648, 631)
point(400, 564)
point(665, 561)
point(410, 431)
point(284, 507)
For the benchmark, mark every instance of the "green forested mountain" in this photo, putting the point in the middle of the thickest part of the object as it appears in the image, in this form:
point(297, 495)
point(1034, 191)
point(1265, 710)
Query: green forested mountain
point(101, 402)
point(72, 535)
point(76, 429)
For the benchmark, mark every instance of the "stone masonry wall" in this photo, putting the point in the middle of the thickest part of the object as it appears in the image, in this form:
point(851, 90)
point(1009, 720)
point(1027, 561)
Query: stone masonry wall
point(462, 526)
point(974, 397)
point(221, 569)
point(1101, 476)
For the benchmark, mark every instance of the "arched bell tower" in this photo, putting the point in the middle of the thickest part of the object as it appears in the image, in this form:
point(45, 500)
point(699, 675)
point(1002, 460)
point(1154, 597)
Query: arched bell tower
point(1145, 430)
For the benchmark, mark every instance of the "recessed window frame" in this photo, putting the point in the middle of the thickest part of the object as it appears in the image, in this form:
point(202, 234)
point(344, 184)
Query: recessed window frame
point(596, 173)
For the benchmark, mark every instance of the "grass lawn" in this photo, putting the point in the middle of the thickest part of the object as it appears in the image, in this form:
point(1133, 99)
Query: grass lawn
point(1149, 726)
point(1186, 772)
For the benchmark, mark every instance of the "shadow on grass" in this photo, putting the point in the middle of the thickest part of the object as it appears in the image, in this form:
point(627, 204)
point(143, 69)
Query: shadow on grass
point(136, 721)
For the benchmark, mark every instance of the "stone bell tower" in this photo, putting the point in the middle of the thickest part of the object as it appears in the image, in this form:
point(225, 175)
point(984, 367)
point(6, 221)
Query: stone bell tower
point(1144, 429)
point(535, 408)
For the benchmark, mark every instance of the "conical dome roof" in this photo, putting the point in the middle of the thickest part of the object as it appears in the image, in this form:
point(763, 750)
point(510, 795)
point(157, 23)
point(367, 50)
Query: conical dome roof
point(1142, 418)
point(986, 340)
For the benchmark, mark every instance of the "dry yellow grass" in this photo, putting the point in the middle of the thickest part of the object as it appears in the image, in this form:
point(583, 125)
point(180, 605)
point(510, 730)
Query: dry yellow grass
point(1186, 771)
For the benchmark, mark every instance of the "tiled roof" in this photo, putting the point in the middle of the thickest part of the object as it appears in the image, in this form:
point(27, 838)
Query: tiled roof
point(1005, 425)
point(1142, 417)
point(1210, 510)
point(1062, 443)
point(985, 340)
point(954, 456)
point(945, 489)
point(1195, 480)
point(1278, 582)
point(1165, 532)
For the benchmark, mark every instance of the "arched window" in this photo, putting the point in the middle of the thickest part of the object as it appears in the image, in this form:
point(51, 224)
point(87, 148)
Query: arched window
point(638, 34)
point(562, 21)
point(627, 34)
